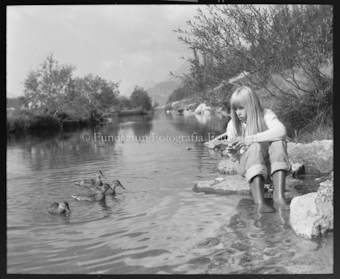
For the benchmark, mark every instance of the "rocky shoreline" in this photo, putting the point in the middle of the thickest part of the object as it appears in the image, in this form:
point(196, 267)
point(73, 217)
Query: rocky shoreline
point(309, 186)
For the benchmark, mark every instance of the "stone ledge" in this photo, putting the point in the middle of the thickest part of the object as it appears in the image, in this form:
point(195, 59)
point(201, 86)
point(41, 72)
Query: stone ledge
point(233, 185)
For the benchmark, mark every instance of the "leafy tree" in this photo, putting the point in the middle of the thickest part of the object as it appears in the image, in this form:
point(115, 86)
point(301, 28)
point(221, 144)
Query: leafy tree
point(48, 86)
point(140, 98)
point(124, 103)
point(94, 97)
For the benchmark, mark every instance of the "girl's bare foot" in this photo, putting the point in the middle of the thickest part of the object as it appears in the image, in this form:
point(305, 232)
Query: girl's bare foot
point(263, 208)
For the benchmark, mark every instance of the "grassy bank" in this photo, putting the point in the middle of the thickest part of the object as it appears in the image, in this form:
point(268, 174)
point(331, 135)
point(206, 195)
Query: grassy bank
point(22, 121)
point(19, 121)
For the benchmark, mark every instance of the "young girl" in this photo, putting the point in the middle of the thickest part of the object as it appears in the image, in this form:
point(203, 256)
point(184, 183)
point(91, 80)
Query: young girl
point(259, 148)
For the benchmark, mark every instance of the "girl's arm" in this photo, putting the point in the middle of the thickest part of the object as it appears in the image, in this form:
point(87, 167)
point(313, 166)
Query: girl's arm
point(276, 130)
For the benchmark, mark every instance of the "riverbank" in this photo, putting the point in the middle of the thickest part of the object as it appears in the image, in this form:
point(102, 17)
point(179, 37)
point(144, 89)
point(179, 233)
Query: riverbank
point(25, 121)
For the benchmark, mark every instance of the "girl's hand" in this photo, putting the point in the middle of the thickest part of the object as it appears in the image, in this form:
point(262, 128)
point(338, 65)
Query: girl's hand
point(232, 148)
point(241, 142)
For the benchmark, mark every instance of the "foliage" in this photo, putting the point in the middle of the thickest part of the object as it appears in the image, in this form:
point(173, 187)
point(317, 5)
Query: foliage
point(93, 96)
point(16, 103)
point(156, 104)
point(140, 98)
point(54, 91)
point(124, 103)
point(180, 93)
point(269, 44)
point(48, 87)
point(168, 107)
point(24, 120)
point(320, 133)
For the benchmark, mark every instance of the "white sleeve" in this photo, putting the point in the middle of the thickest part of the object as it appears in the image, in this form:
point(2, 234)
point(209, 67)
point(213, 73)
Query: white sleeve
point(276, 130)
point(231, 132)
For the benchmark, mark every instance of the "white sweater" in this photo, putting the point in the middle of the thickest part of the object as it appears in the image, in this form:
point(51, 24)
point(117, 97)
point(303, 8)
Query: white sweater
point(276, 130)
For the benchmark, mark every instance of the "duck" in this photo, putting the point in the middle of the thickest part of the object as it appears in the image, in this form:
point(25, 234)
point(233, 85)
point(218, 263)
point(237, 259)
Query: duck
point(111, 190)
point(99, 195)
point(59, 208)
point(91, 182)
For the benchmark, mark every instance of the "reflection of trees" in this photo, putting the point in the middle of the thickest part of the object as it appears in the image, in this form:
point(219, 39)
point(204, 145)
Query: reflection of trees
point(46, 151)
point(141, 124)
point(62, 150)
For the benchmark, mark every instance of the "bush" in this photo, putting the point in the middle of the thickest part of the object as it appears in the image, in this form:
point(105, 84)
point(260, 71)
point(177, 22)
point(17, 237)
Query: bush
point(320, 133)
point(309, 110)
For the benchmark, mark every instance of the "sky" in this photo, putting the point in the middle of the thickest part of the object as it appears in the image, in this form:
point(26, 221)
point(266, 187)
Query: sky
point(127, 43)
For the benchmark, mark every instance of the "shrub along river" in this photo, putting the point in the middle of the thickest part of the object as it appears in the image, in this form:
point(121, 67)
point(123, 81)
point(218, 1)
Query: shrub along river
point(158, 224)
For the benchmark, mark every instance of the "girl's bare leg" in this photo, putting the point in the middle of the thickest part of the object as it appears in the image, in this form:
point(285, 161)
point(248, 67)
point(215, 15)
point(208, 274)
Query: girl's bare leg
point(257, 190)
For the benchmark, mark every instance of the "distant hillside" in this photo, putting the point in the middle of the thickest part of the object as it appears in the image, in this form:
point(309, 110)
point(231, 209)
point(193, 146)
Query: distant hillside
point(148, 84)
point(161, 91)
point(180, 93)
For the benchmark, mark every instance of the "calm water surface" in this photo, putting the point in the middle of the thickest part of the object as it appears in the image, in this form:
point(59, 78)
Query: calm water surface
point(158, 224)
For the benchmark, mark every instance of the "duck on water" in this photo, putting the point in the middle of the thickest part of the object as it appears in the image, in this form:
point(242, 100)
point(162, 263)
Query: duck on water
point(112, 188)
point(99, 195)
point(59, 208)
point(91, 182)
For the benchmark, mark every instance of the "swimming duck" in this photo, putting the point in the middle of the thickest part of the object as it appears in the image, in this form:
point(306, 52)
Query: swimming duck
point(96, 196)
point(111, 190)
point(59, 208)
point(91, 182)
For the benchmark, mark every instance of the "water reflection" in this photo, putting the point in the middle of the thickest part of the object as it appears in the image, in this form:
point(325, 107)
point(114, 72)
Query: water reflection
point(201, 118)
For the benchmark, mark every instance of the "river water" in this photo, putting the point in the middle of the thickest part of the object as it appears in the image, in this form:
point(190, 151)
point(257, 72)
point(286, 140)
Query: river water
point(158, 225)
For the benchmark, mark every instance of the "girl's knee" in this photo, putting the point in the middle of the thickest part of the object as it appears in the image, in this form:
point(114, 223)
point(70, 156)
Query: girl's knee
point(279, 144)
point(255, 146)
point(256, 149)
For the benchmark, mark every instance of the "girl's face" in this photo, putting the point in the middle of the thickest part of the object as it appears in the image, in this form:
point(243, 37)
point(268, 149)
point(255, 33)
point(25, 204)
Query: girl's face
point(241, 113)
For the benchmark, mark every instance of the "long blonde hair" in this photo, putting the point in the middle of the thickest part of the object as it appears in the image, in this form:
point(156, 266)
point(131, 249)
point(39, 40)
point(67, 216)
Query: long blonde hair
point(245, 97)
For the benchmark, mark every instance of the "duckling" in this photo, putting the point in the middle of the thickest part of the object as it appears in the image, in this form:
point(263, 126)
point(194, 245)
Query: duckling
point(59, 208)
point(91, 182)
point(111, 190)
point(97, 196)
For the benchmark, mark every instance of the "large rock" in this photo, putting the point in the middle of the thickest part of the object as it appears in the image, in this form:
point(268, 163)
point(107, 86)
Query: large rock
point(232, 185)
point(317, 157)
point(311, 215)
